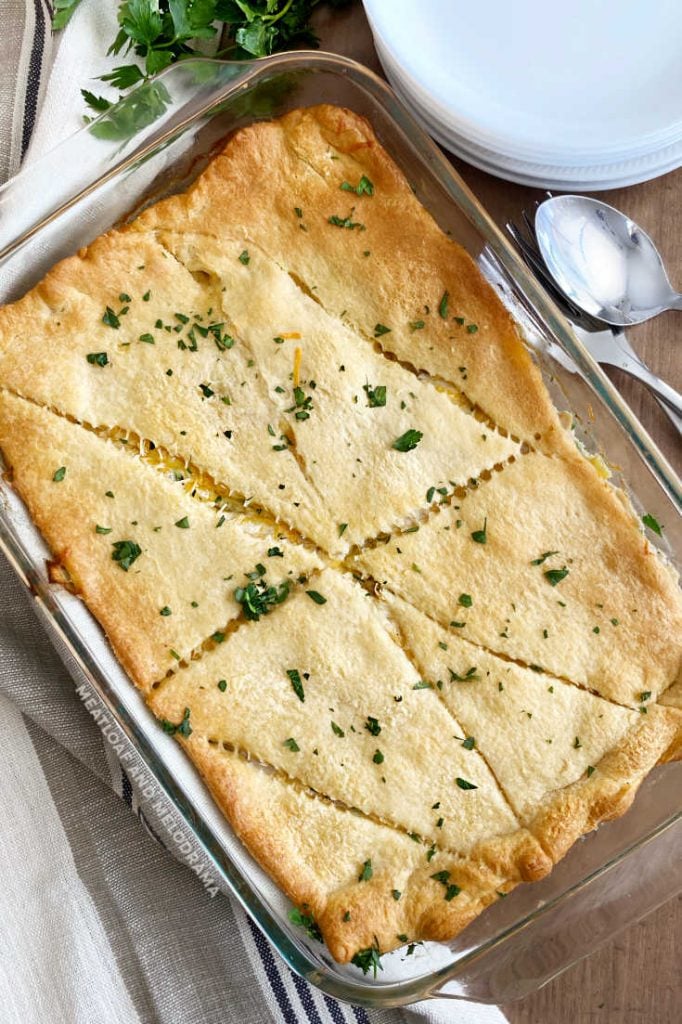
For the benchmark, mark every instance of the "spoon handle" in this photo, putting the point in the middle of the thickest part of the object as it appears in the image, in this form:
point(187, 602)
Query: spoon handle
point(667, 394)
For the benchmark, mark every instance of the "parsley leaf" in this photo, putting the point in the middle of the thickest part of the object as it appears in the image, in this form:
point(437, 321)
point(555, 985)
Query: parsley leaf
point(182, 728)
point(652, 523)
point(554, 576)
point(304, 919)
point(296, 683)
point(481, 536)
point(463, 784)
point(543, 557)
point(125, 553)
point(380, 329)
point(366, 872)
point(443, 306)
point(258, 597)
point(372, 726)
point(407, 441)
point(376, 397)
point(97, 358)
point(292, 745)
point(316, 597)
point(368, 959)
point(59, 474)
point(363, 188)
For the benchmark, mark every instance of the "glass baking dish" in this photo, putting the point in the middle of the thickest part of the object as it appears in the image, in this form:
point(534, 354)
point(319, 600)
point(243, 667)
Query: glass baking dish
point(155, 143)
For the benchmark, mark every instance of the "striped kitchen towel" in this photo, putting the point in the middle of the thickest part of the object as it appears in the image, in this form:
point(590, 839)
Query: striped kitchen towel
point(102, 922)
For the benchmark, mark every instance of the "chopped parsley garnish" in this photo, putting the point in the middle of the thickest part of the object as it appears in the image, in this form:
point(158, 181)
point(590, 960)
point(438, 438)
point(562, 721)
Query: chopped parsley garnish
point(380, 329)
point(148, 339)
point(376, 397)
point(452, 891)
point(590, 769)
point(306, 920)
point(469, 743)
point(554, 576)
point(244, 257)
point(337, 730)
point(291, 745)
point(378, 757)
point(206, 391)
point(363, 188)
point(443, 306)
point(468, 675)
point(97, 358)
point(652, 523)
point(222, 685)
point(296, 683)
point(366, 872)
point(576, 743)
point(298, 211)
point(218, 637)
point(125, 553)
point(644, 696)
point(59, 474)
point(423, 684)
point(346, 222)
point(463, 784)
point(316, 597)
point(165, 611)
point(275, 553)
point(368, 959)
point(183, 524)
point(258, 597)
point(182, 728)
point(472, 328)
point(407, 441)
point(543, 557)
point(465, 600)
point(417, 325)
point(372, 726)
point(303, 404)
point(342, 528)
point(147, 296)
point(481, 536)
point(103, 530)
point(110, 318)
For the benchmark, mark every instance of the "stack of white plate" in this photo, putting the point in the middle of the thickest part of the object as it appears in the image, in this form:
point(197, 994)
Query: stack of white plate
point(572, 96)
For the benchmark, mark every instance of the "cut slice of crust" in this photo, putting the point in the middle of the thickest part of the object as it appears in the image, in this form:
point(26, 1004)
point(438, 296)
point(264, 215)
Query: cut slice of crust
point(612, 623)
point(393, 269)
point(565, 759)
point(177, 566)
point(366, 732)
point(292, 830)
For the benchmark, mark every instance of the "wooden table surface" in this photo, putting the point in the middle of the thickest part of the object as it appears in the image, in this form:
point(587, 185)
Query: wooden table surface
point(635, 979)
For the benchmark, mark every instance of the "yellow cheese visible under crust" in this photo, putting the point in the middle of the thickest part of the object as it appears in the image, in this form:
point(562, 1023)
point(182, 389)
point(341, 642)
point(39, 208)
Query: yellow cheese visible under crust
point(177, 565)
point(612, 624)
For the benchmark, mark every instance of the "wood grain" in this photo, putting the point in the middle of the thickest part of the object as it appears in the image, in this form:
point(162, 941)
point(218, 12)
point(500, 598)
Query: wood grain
point(635, 979)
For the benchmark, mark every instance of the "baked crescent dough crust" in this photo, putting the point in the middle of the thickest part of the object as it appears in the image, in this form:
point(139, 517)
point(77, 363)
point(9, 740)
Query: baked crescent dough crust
point(290, 449)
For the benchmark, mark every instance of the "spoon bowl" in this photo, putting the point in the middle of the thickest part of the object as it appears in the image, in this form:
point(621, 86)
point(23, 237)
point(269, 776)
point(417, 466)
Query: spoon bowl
point(604, 262)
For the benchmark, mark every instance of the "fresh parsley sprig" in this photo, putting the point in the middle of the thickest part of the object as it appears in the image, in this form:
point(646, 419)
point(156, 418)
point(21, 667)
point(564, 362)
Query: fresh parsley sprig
point(161, 32)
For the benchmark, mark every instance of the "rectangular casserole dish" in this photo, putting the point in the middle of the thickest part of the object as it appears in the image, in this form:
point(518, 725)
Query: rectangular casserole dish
point(155, 143)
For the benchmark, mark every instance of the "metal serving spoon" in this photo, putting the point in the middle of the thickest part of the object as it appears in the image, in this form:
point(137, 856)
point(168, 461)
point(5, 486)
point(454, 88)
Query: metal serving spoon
point(603, 261)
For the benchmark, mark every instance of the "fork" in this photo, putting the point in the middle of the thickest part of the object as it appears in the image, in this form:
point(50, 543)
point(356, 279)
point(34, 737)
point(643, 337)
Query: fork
point(605, 345)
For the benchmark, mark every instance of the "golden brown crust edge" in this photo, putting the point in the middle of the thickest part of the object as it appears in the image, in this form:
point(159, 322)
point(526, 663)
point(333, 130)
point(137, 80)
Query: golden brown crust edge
point(412, 261)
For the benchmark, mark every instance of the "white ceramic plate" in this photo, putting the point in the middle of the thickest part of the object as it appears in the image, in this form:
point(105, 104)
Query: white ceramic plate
point(594, 177)
point(587, 82)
